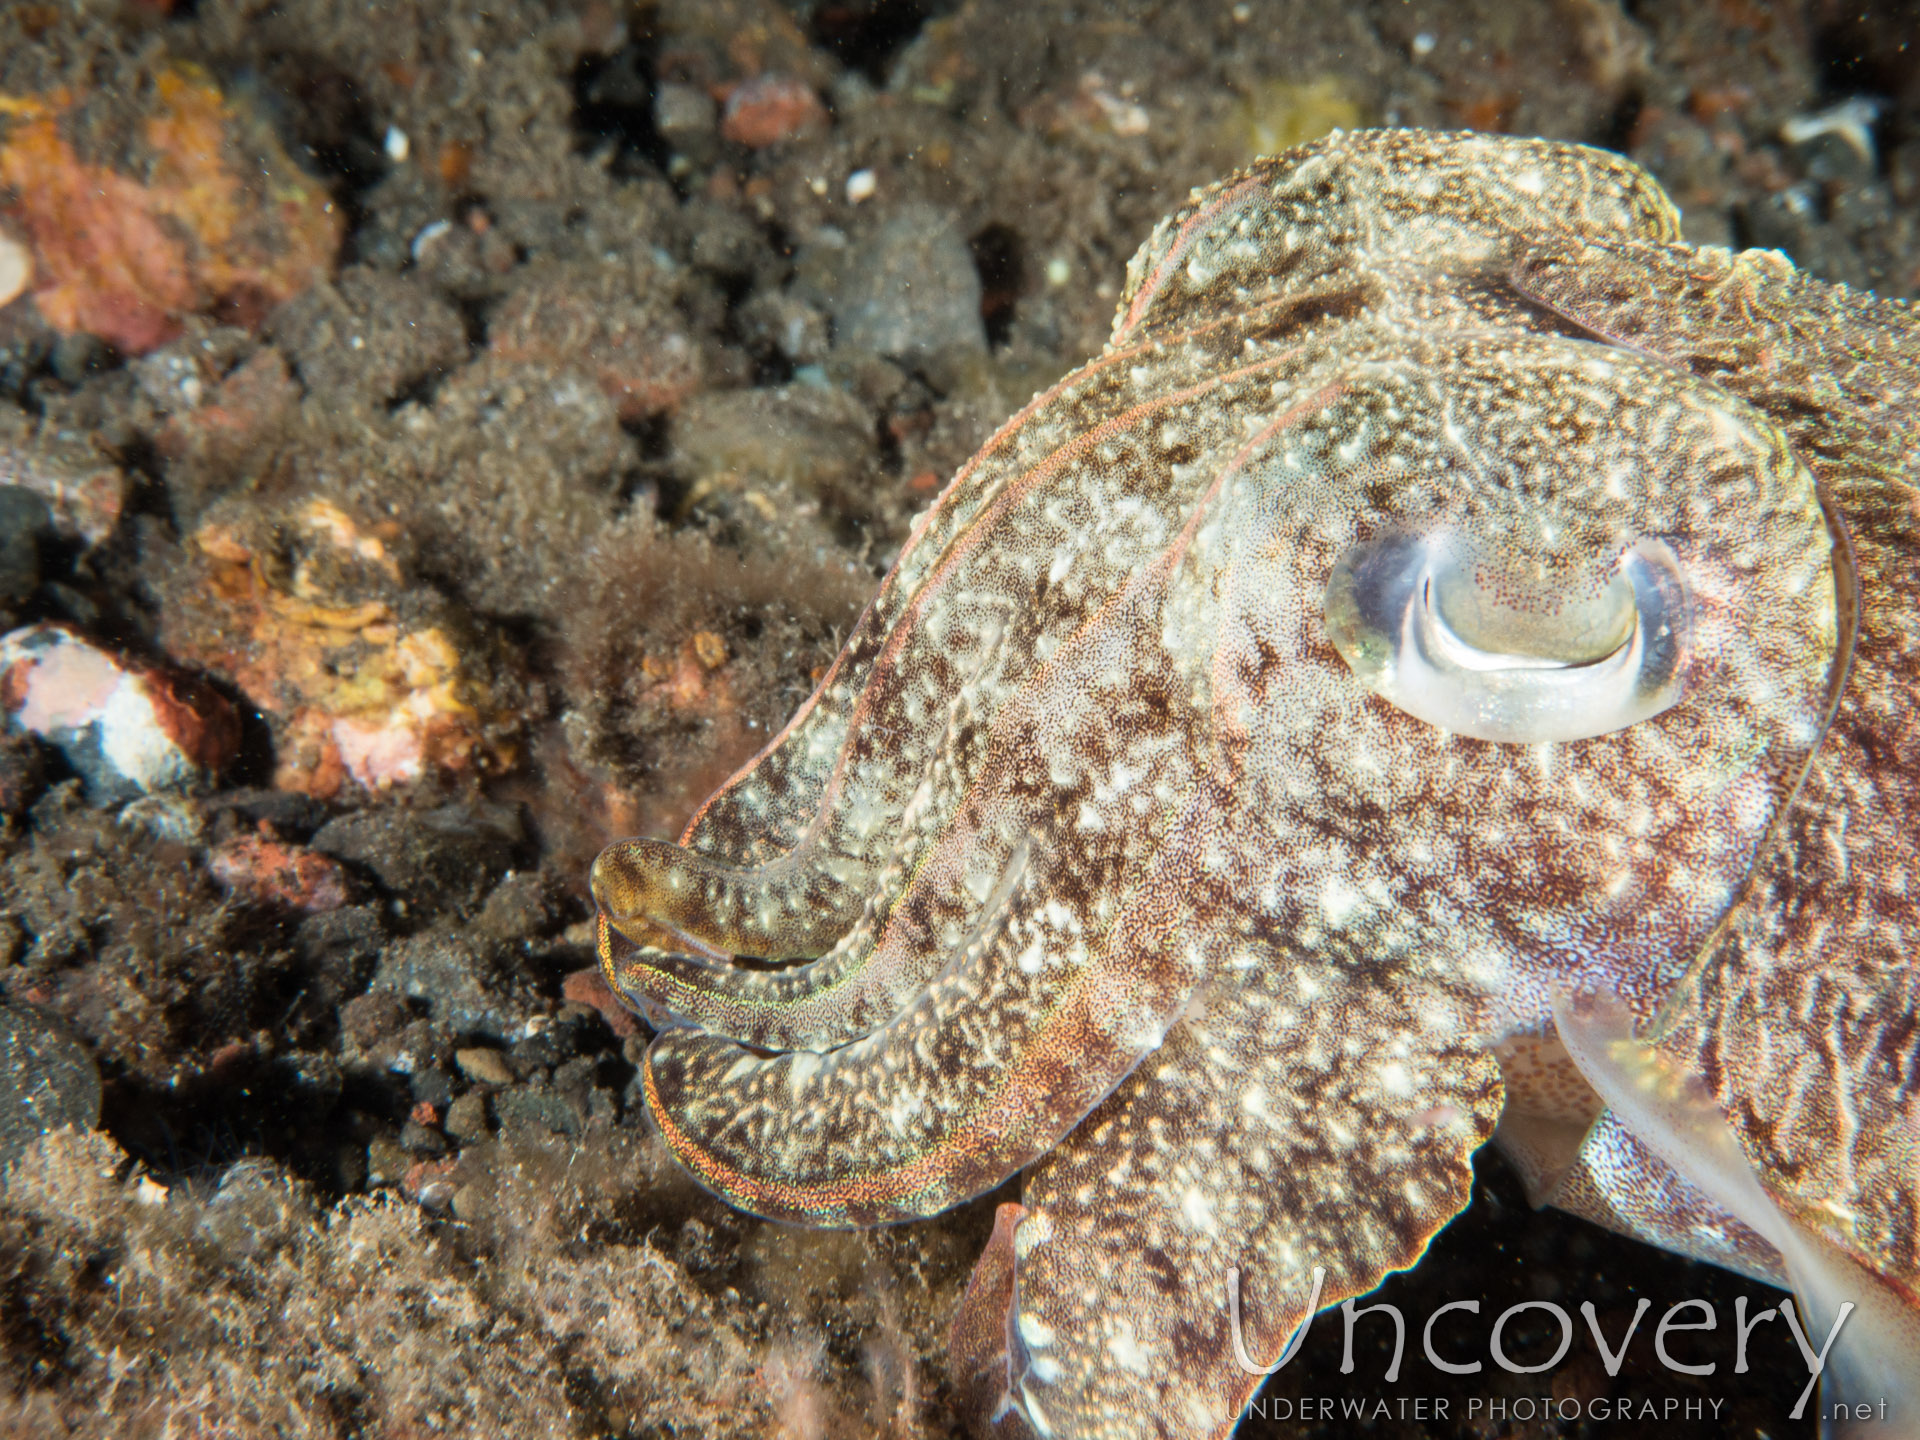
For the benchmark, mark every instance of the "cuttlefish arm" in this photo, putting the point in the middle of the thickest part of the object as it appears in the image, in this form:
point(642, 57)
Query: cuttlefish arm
point(1162, 1257)
point(918, 811)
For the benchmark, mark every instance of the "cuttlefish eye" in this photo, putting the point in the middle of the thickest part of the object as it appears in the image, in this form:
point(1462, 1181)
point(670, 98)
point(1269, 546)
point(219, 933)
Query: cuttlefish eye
point(1439, 627)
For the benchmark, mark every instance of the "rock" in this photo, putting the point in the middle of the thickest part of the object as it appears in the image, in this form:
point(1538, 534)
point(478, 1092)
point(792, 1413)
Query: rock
point(291, 814)
point(432, 1088)
point(272, 872)
point(177, 819)
point(387, 1162)
point(436, 860)
point(84, 491)
point(363, 677)
point(418, 1139)
point(589, 987)
point(909, 289)
point(473, 1204)
point(770, 109)
point(528, 1108)
point(520, 907)
point(338, 952)
point(483, 1066)
point(551, 1044)
point(47, 1080)
point(683, 114)
point(370, 336)
point(24, 518)
point(368, 1019)
point(254, 1212)
point(128, 728)
point(467, 1116)
point(198, 207)
point(615, 321)
point(420, 1045)
point(815, 439)
point(468, 988)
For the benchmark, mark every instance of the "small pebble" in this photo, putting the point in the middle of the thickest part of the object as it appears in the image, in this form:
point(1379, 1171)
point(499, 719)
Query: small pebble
point(471, 1203)
point(770, 109)
point(386, 1161)
point(433, 1089)
point(682, 110)
point(418, 1139)
point(860, 186)
point(483, 1066)
point(174, 818)
point(436, 1195)
point(589, 987)
point(467, 1118)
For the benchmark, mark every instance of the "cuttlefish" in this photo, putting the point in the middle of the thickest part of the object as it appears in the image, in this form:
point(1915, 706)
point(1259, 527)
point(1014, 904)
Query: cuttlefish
point(1446, 670)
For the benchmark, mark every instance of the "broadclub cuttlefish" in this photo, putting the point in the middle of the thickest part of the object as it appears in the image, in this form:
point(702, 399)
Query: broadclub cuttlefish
point(1446, 670)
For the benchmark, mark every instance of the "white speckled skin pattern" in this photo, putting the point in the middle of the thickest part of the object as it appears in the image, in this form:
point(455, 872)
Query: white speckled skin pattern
point(1091, 854)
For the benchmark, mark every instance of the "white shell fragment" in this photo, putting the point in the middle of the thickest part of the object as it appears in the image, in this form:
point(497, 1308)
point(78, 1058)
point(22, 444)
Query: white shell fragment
point(16, 268)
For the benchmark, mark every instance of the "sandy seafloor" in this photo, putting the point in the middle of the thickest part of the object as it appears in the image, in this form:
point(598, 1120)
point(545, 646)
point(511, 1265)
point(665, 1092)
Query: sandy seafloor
point(544, 407)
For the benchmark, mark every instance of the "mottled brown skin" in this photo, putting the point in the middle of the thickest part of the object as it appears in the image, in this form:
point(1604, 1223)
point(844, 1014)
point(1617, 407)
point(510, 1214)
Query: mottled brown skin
point(1091, 855)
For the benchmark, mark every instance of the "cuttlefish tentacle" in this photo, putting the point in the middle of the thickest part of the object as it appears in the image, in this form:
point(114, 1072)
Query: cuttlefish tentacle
point(1211, 1185)
point(785, 906)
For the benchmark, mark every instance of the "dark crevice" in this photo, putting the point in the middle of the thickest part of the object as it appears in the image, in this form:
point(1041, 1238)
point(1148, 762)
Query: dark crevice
point(999, 258)
point(333, 128)
point(613, 106)
point(886, 439)
point(421, 389)
point(1616, 131)
point(771, 367)
point(1866, 53)
point(654, 435)
point(865, 35)
point(473, 315)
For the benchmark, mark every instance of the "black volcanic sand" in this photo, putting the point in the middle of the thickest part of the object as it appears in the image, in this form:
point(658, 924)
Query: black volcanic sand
point(308, 1207)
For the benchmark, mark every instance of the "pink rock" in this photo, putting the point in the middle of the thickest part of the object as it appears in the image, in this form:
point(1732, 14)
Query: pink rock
point(129, 728)
point(770, 108)
point(273, 872)
point(589, 987)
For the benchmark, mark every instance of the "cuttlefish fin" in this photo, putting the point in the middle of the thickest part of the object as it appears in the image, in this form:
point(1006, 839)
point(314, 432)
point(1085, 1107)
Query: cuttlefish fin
point(1574, 1154)
point(1663, 1144)
point(988, 1356)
